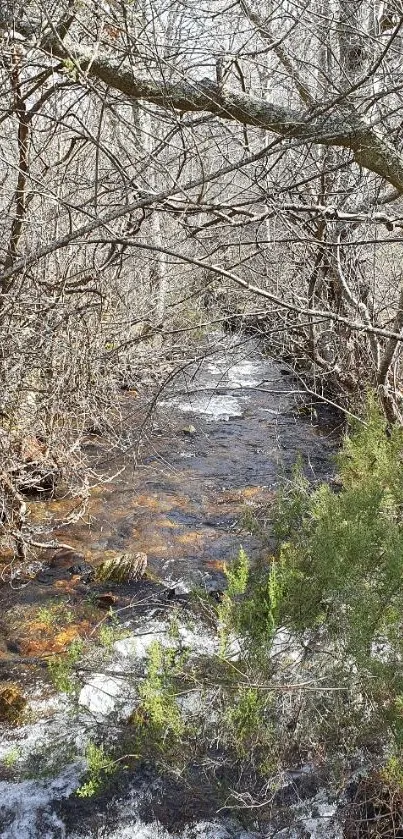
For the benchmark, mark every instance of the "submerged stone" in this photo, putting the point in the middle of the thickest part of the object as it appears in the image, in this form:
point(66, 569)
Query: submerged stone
point(123, 568)
point(12, 703)
point(106, 600)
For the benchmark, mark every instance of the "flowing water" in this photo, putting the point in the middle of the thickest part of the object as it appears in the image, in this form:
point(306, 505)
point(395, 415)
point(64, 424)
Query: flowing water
point(223, 436)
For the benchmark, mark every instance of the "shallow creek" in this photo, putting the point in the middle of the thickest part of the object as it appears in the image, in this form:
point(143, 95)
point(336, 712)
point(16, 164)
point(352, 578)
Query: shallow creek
point(223, 436)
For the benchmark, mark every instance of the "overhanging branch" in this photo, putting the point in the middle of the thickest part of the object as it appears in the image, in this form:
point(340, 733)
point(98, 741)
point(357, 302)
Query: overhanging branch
point(342, 128)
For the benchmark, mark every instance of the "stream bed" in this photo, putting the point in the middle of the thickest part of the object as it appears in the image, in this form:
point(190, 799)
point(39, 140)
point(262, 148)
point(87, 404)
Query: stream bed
point(223, 436)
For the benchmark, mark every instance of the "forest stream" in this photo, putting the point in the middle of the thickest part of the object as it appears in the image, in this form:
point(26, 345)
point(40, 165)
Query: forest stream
point(222, 437)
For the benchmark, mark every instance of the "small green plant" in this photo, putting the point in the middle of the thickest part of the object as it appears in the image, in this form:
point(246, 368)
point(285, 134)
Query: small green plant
point(109, 633)
point(53, 614)
point(238, 574)
point(249, 521)
point(249, 724)
point(291, 504)
point(173, 630)
point(11, 758)
point(71, 69)
point(157, 693)
point(61, 668)
point(99, 767)
point(46, 615)
point(393, 771)
point(250, 608)
point(107, 636)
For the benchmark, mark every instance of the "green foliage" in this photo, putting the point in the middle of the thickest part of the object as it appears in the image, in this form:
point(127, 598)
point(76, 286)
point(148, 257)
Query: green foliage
point(340, 572)
point(249, 724)
point(343, 565)
point(335, 586)
point(110, 632)
point(61, 668)
point(249, 521)
point(107, 636)
point(373, 450)
point(291, 504)
point(99, 767)
point(11, 758)
point(173, 630)
point(157, 693)
point(392, 772)
point(53, 614)
point(71, 69)
point(237, 574)
point(251, 604)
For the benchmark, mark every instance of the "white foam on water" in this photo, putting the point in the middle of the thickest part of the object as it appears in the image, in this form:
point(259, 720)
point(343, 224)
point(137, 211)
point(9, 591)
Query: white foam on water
point(213, 407)
point(138, 645)
point(229, 371)
point(51, 729)
point(247, 374)
point(26, 807)
point(138, 830)
point(105, 694)
point(195, 638)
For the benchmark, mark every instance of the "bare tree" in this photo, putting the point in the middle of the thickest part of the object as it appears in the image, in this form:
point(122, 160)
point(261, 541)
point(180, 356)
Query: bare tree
point(159, 159)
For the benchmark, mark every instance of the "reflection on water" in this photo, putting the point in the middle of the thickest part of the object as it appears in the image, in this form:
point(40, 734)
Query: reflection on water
point(182, 503)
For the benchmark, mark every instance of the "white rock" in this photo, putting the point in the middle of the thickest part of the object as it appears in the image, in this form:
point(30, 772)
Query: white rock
point(102, 694)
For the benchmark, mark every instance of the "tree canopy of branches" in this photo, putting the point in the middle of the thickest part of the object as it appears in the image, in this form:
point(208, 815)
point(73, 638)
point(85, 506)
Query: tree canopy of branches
point(167, 165)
